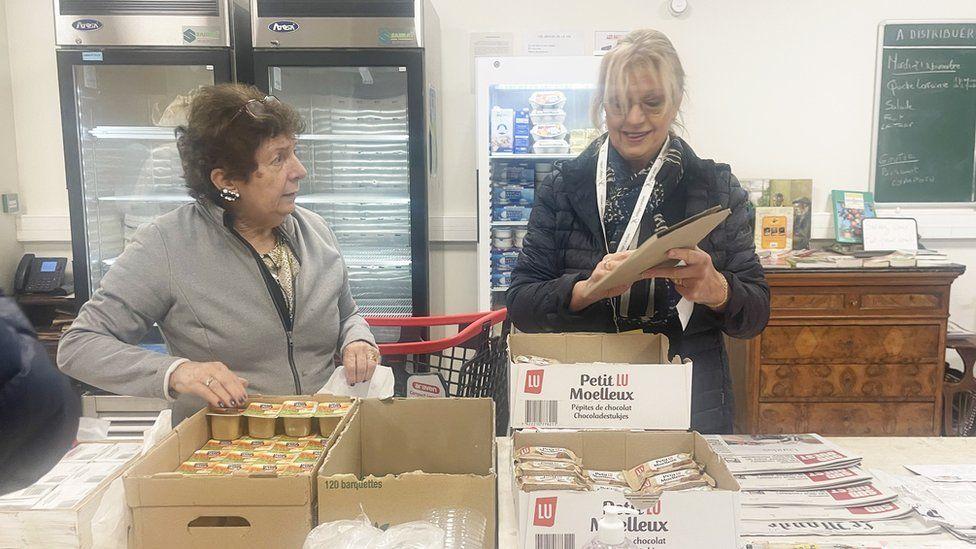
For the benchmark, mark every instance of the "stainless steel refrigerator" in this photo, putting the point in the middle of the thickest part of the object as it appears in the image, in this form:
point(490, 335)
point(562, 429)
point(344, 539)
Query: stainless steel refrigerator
point(364, 76)
point(126, 69)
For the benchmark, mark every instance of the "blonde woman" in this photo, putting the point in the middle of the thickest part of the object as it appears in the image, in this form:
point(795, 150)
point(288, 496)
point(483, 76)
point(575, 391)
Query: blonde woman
point(650, 178)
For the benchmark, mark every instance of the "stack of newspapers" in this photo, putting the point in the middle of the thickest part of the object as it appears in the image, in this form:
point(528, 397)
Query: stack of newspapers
point(803, 485)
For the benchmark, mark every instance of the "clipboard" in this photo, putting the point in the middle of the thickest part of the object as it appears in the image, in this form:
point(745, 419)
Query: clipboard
point(654, 251)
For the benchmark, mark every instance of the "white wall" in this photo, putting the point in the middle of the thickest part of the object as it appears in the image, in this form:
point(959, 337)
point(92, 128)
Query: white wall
point(10, 249)
point(777, 88)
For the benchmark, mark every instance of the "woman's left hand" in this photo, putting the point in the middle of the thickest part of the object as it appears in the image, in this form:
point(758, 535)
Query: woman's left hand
point(359, 359)
point(697, 280)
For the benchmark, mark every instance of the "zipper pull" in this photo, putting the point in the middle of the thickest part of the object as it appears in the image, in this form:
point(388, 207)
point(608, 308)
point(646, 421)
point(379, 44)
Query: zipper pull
point(291, 342)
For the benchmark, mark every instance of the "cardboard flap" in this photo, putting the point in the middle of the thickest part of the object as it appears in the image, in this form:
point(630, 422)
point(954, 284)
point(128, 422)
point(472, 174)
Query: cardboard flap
point(432, 435)
point(573, 348)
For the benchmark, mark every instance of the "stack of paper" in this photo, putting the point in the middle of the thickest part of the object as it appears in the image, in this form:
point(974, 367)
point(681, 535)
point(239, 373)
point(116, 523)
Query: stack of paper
point(945, 495)
point(44, 515)
point(803, 485)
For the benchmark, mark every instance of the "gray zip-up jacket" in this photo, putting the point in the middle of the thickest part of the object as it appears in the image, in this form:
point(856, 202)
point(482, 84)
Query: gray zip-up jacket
point(204, 286)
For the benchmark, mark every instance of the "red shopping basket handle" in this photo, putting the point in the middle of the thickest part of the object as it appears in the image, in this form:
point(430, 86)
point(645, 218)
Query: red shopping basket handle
point(475, 321)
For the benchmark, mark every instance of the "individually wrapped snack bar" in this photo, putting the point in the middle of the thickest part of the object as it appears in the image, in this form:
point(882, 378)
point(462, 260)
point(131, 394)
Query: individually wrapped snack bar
point(549, 482)
point(636, 476)
point(676, 480)
point(535, 360)
point(546, 453)
point(558, 468)
point(605, 478)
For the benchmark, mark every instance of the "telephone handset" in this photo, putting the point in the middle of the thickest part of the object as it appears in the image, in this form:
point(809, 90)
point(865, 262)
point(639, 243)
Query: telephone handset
point(40, 275)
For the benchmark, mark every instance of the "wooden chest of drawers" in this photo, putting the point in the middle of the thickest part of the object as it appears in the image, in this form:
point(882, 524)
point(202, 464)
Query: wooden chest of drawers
point(846, 352)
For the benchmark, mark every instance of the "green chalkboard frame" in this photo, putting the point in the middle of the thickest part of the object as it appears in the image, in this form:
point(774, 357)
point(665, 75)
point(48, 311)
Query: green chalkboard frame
point(886, 35)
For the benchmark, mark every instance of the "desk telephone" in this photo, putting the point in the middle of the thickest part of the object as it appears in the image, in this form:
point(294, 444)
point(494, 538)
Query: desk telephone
point(40, 275)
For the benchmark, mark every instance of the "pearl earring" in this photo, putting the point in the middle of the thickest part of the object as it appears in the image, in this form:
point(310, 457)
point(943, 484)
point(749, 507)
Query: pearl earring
point(229, 195)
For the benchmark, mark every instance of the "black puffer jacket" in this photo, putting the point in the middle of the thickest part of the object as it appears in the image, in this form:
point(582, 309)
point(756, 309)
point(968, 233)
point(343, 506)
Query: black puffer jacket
point(565, 242)
point(38, 408)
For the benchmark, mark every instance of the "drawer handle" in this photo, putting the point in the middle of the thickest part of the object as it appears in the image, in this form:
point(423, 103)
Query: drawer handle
point(855, 303)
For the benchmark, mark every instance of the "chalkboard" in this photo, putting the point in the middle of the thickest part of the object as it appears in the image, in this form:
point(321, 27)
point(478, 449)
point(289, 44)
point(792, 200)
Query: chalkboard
point(925, 119)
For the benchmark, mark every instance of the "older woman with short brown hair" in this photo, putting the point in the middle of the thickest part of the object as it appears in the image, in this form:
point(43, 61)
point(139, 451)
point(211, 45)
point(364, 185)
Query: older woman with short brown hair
point(630, 183)
point(249, 290)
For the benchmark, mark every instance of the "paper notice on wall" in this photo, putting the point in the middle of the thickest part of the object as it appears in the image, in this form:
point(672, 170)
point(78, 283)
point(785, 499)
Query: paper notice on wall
point(489, 44)
point(492, 44)
point(553, 43)
point(604, 41)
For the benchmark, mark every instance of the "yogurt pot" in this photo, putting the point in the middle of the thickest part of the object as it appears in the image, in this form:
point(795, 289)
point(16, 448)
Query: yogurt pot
point(225, 424)
point(262, 419)
point(501, 238)
point(297, 417)
point(329, 415)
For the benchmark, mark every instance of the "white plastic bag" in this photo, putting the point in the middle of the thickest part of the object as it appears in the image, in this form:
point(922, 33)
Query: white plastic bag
point(342, 534)
point(92, 429)
point(360, 534)
point(110, 523)
point(380, 386)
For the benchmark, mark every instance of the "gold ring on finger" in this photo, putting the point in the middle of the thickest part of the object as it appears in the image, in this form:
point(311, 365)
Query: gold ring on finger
point(209, 381)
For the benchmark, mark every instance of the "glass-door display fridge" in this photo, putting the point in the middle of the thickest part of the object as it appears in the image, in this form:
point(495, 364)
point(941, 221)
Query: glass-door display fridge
point(368, 98)
point(532, 112)
point(120, 102)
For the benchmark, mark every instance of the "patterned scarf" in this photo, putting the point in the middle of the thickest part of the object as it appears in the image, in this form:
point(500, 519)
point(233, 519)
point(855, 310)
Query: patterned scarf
point(652, 303)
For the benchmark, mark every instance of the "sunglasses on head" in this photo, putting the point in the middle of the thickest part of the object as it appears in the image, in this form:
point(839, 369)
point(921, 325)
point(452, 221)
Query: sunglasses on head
point(256, 108)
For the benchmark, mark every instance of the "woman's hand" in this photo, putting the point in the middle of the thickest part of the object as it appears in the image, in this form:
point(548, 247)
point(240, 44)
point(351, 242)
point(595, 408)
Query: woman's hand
point(211, 381)
point(697, 280)
point(582, 297)
point(359, 359)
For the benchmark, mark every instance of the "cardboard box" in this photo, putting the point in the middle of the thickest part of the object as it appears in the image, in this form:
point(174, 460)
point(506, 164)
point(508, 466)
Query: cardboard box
point(568, 520)
point(174, 510)
point(635, 387)
point(397, 459)
point(64, 527)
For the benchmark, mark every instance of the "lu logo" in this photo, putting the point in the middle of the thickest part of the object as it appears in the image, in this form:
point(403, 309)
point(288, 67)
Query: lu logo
point(533, 381)
point(545, 512)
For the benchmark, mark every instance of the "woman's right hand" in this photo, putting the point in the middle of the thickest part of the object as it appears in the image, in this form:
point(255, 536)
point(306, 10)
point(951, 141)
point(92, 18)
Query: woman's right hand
point(583, 297)
point(211, 381)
